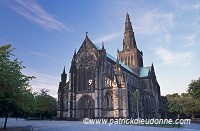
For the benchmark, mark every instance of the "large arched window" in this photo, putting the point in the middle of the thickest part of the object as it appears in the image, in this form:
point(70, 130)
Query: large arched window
point(109, 99)
point(86, 68)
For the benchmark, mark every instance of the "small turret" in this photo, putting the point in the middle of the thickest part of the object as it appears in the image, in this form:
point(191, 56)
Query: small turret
point(63, 76)
point(152, 67)
point(117, 62)
point(75, 52)
point(72, 62)
point(102, 45)
point(117, 51)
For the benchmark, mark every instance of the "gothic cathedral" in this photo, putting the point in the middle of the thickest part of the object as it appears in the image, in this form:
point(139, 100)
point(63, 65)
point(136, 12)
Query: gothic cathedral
point(101, 86)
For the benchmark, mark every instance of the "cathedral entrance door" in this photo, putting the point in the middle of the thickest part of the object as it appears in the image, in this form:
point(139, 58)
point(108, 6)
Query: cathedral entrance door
point(86, 107)
point(88, 110)
point(86, 114)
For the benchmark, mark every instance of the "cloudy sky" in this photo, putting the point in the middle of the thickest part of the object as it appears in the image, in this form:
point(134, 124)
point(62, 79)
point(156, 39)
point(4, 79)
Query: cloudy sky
point(46, 34)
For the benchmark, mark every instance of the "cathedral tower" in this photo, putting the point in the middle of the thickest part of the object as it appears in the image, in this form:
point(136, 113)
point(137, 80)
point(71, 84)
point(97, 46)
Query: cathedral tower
point(61, 94)
point(130, 55)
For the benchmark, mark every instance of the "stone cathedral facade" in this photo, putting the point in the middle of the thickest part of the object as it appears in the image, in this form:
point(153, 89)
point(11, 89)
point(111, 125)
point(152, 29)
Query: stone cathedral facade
point(102, 86)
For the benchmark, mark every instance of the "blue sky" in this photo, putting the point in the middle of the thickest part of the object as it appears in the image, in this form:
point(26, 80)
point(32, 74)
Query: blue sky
point(46, 34)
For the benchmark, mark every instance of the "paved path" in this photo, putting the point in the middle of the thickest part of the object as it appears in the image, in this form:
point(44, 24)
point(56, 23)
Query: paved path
point(42, 125)
point(192, 126)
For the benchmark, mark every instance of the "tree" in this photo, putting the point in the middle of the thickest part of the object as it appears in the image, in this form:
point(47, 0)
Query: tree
point(45, 103)
point(183, 104)
point(194, 102)
point(15, 94)
point(191, 106)
point(174, 104)
point(194, 89)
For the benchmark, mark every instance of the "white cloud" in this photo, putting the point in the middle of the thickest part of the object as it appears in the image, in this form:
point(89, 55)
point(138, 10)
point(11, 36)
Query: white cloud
point(52, 58)
point(154, 22)
point(184, 5)
point(53, 89)
point(106, 38)
point(190, 39)
point(197, 6)
point(168, 38)
point(174, 58)
point(41, 54)
point(43, 81)
point(34, 12)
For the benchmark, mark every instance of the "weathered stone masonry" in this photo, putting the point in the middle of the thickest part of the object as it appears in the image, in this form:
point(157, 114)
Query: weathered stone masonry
point(101, 86)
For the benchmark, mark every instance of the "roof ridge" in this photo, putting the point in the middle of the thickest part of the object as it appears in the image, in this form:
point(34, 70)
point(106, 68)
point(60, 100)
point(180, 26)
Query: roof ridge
point(114, 59)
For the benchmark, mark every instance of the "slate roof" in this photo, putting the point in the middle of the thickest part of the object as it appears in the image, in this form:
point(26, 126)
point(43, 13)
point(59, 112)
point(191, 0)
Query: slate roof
point(144, 71)
point(114, 59)
point(97, 47)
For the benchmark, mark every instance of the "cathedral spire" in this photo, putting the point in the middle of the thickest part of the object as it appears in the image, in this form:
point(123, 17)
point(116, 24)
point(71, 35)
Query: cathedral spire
point(129, 38)
point(128, 26)
point(130, 55)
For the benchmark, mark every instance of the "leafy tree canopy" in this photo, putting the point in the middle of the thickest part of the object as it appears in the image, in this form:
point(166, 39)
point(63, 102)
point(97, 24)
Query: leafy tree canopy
point(45, 103)
point(182, 104)
point(194, 89)
point(15, 91)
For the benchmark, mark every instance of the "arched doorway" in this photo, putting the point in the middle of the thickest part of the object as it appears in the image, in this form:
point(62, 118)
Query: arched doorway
point(86, 107)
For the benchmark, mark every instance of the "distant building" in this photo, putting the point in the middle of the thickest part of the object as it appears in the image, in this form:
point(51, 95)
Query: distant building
point(100, 85)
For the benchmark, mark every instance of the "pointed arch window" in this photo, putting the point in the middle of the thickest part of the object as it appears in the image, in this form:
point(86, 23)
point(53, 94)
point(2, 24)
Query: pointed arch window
point(109, 99)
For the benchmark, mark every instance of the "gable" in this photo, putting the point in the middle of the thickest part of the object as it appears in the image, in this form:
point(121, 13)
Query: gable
point(87, 45)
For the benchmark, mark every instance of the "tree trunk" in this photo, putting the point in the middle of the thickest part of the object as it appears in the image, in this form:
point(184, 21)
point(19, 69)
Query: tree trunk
point(178, 115)
point(192, 115)
point(5, 121)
